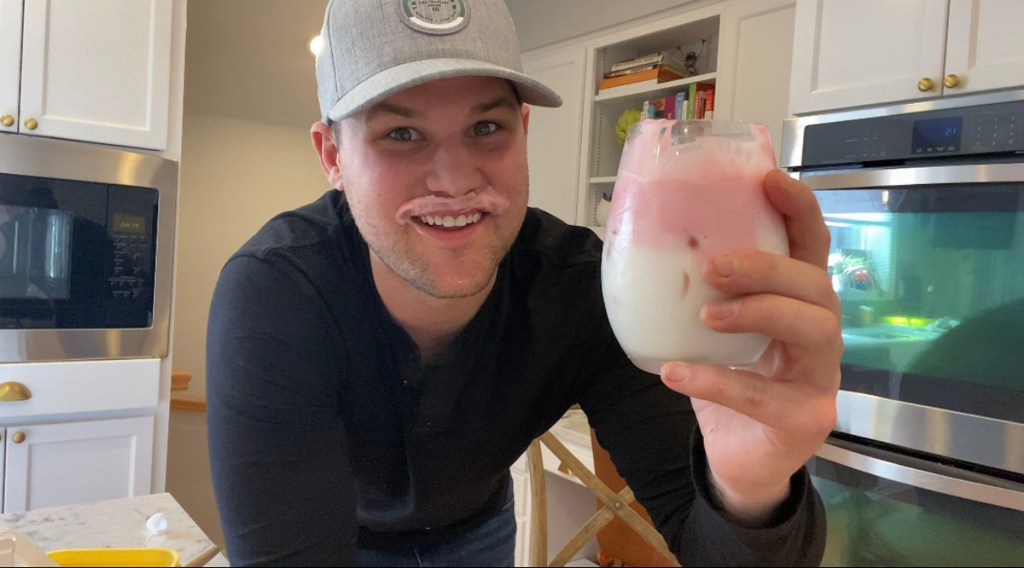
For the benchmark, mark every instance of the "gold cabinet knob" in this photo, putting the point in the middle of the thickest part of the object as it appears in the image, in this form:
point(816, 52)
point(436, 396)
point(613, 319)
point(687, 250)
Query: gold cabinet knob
point(951, 81)
point(7, 120)
point(925, 85)
point(14, 392)
point(18, 437)
point(31, 123)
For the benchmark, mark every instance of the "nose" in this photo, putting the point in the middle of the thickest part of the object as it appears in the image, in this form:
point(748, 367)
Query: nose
point(453, 170)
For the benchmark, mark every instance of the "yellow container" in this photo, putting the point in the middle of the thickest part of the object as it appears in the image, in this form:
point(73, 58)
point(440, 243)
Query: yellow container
point(116, 557)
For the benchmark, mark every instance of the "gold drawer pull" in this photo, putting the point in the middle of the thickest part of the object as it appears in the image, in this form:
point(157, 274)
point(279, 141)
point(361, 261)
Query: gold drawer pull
point(7, 120)
point(18, 437)
point(925, 85)
point(14, 392)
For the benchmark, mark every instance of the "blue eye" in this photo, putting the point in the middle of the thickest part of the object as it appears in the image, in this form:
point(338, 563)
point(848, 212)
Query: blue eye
point(484, 128)
point(403, 134)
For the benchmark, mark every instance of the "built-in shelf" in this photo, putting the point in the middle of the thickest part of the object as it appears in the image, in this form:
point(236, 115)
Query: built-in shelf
point(666, 88)
point(603, 179)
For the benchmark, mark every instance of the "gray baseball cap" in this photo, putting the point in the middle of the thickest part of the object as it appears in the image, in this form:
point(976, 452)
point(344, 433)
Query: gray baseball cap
point(375, 48)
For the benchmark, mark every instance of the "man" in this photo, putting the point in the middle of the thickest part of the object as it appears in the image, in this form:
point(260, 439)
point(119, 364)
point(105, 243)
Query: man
point(379, 358)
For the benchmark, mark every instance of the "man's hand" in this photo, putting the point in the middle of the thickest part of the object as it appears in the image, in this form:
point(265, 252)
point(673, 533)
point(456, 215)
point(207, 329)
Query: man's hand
point(760, 425)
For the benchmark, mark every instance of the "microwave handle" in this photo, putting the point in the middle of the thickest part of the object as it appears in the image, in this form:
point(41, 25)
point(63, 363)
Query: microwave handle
point(921, 474)
point(1006, 172)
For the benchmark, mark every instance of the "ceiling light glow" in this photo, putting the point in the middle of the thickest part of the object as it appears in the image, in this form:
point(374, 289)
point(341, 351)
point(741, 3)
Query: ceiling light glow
point(316, 45)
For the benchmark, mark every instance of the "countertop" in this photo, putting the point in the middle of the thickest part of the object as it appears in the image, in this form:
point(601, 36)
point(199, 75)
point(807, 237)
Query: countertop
point(117, 523)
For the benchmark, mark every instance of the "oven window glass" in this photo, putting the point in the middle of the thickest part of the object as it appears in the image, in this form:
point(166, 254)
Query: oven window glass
point(873, 521)
point(931, 282)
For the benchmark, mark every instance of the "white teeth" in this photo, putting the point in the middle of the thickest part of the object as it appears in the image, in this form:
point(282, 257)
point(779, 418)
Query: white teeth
point(449, 221)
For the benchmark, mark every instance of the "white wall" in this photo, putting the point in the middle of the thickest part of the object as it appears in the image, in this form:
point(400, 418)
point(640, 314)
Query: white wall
point(543, 22)
point(235, 176)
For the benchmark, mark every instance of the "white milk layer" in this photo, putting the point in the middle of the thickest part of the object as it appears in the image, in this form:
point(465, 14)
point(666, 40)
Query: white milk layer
point(653, 297)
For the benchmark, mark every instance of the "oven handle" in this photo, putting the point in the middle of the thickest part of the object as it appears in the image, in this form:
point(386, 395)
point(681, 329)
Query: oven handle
point(1004, 172)
point(922, 474)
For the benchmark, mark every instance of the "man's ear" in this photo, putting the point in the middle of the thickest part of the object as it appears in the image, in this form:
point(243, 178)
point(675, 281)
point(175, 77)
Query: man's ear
point(327, 151)
point(526, 118)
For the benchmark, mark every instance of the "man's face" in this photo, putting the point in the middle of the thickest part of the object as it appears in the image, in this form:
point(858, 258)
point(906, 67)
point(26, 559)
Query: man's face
point(436, 177)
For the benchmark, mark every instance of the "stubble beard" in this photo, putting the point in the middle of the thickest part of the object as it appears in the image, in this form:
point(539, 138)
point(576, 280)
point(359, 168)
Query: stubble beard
point(421, 275)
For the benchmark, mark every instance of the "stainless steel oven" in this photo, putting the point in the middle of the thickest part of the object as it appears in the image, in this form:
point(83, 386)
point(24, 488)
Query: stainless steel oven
point(86, 250)
point(925, 205)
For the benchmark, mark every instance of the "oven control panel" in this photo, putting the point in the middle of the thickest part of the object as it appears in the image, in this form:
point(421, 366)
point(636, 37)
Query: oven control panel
point(980, 130)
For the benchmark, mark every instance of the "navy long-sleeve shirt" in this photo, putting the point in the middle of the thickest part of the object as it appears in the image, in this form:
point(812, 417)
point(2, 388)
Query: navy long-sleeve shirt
point(327, 430)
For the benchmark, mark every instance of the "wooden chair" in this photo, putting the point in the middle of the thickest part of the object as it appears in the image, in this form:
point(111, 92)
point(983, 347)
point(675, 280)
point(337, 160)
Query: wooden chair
point(615, 505)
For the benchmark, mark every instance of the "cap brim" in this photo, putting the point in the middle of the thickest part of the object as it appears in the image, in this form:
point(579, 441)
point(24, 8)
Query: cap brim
point(401, 77)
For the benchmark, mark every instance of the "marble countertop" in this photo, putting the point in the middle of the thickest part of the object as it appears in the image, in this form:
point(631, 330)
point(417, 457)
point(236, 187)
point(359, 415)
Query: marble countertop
point(117, 523)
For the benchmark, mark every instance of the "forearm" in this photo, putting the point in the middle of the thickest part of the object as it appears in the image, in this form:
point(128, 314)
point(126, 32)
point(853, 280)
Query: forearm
point(284, 496)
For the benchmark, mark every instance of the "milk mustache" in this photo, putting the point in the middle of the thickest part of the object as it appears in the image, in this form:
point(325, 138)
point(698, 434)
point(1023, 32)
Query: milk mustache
point(686, 191)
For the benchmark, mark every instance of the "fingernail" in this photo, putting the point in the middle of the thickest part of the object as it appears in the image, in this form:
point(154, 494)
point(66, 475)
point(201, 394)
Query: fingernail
point(675, 371)
point(721, 310)
point(725, 265)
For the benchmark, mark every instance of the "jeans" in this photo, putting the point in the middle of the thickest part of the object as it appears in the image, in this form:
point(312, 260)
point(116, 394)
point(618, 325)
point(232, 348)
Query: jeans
point(491, 544)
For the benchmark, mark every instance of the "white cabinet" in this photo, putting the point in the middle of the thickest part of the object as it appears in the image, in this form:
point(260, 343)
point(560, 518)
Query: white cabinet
point(10, 63)
point(98, 71)
point(83, 431)
point(553, 138)
point(754, 64)
point(49, 465)
point(849, 54)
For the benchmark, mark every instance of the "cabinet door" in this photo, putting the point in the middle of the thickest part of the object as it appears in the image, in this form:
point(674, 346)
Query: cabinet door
point(985, 46)
point(97, 71)
point(10, 64)
point(848, 54)
point(553, 142)
point(754, 63)
point(77, 462)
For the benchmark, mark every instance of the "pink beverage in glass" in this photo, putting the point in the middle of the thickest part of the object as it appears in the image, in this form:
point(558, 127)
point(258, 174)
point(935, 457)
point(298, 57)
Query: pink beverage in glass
point(686, 192)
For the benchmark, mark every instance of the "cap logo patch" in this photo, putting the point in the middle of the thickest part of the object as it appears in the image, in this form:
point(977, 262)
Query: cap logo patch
point(438, 17)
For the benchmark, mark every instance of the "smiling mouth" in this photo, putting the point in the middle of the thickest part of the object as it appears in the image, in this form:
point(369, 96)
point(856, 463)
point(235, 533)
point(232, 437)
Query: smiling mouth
point(450, 221)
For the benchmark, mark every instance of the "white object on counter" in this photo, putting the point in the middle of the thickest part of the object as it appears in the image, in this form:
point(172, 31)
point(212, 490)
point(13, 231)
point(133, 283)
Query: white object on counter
point(156, 524)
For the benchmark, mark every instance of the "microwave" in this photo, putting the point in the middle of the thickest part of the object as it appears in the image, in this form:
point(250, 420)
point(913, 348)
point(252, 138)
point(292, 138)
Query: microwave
point(86, 250)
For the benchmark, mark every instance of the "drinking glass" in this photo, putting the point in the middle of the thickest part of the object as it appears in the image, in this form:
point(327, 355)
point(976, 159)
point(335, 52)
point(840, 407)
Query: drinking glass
point(686, 191)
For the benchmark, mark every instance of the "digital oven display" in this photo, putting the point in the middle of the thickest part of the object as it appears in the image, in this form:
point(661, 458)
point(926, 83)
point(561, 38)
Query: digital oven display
point(937, 135)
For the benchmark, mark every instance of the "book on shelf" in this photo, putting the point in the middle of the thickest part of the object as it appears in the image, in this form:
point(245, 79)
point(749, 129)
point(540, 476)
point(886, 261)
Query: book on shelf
point(696, 100)
point(622, 72)
point(672, 57)
point(680, 104)
point(641, 61)
point(659, 74)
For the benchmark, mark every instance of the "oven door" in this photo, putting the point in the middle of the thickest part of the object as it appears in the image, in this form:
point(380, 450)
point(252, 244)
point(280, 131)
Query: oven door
point(928, 264)
point(887, 509)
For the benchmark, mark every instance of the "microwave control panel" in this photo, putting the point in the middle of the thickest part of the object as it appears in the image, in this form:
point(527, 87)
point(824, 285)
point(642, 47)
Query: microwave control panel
point(131, 259)
point(973, 131)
